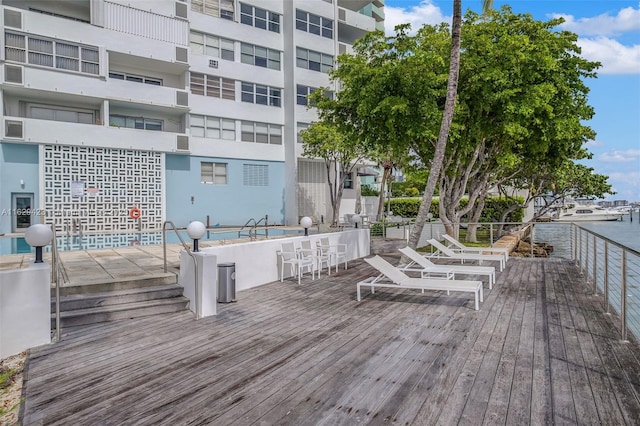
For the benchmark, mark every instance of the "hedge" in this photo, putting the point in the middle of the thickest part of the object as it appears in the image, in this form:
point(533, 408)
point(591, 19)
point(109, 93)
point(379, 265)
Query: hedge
point(493, 206)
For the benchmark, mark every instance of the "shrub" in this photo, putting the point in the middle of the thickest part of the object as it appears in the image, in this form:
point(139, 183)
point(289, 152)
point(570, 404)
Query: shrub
point(493, 207)
point(369, 191)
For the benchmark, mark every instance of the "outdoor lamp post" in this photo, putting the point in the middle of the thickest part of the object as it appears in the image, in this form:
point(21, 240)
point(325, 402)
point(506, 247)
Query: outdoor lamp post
point(38, 236)
point(196, 230)
point(356, 219)
point(306, 223)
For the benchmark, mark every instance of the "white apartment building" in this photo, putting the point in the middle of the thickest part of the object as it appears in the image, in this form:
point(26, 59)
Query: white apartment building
point(184, 110)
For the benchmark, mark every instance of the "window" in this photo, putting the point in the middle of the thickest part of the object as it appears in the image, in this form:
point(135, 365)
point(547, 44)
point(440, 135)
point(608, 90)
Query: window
point(260, 94)
point(58, 113)
point(314, 24)
point(135, 78)
point(213, 173)
point(302, 93)
point(205, 44)
point(141, 123)
point(260, 56)
point(348, 182)
point(210, 85)
point(218, 8)
point(213, 127)
point(51, 53)
point(301, 127)
point(313, 60)
point(261, 133)
point(259, 18)
point(255, 175)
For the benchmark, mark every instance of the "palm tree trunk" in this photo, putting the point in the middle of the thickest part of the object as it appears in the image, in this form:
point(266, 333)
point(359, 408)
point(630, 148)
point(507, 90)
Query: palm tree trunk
point(447, 118)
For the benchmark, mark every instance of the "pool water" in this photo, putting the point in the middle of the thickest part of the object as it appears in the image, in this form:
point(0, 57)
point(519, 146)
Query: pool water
point(18, 245)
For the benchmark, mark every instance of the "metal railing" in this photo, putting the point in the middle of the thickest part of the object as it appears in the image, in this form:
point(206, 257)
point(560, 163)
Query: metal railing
point(611, 268)
point(58, 274)
point(252, 232)
point(189, 252)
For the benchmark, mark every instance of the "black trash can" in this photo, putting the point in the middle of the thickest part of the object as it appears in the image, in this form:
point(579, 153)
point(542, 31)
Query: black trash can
point(226, 282)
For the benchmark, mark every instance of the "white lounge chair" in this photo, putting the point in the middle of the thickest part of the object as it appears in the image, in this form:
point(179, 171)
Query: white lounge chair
point(457, 245)
point(461, 256)
point(290, 256)
point(425, 265)
point(391, 277)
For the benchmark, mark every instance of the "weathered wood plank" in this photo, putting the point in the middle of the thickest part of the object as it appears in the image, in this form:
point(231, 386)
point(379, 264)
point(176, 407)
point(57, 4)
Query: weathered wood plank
point(536, 352)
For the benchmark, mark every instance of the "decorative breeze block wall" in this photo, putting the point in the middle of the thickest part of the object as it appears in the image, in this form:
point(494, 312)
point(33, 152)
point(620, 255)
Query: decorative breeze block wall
point(95, 188)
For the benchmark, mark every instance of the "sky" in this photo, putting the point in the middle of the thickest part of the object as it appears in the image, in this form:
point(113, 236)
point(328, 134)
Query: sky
point(609, 32)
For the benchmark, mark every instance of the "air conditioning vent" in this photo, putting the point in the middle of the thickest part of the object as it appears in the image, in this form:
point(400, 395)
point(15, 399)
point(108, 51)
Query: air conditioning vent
point(13, 74)
point(182, 98)
point(181, 55)
point(213, 63)
point(181, 10)
point(182, 143)
point(13, 129)
point(342, 15)
point(13, 19)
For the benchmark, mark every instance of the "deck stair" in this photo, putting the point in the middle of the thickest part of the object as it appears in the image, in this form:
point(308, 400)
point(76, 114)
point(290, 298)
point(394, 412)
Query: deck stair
point(136, 297)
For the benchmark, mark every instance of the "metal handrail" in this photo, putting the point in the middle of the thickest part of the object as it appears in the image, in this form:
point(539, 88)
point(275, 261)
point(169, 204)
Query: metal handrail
point(189, 252)
point(245, 225)
point(593, 255)
point(57, 273)
point(253, 231)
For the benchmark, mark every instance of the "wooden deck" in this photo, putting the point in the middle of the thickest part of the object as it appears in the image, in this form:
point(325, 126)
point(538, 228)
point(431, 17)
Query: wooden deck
point(539, 351)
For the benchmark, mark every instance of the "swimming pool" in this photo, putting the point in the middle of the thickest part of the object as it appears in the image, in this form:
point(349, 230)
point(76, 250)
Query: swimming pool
point(18, 245)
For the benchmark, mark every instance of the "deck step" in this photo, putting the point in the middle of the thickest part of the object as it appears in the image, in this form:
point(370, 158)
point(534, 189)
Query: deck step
point(115, 297)
point(119, 284)
point(112, 312)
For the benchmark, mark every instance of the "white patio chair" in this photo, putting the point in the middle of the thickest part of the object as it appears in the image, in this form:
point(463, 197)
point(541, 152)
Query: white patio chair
point(458, 246)
point(390, 277)
point(307, 251)
point(425, 265)
point(290, 256)
point(337, 252)
point(462, 256)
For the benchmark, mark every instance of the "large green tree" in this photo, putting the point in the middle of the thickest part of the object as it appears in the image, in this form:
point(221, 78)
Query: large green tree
point(522, 106)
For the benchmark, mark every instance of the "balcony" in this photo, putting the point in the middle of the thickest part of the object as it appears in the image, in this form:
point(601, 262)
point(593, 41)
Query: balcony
point(31, 130)
point(353, 25)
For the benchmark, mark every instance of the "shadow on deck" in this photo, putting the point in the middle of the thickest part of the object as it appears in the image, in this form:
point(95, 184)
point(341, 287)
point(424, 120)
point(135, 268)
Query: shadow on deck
point(539, 351)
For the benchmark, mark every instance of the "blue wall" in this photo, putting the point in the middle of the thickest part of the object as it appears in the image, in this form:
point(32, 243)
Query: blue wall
point(17, 162)
point(230, 204)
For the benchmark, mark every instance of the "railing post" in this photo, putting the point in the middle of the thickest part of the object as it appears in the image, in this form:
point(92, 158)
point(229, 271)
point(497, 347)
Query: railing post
point(623, 295)
point(606, 277)
point(531, 238)
point(595, 262)
point(586, 256)
point(491, 234)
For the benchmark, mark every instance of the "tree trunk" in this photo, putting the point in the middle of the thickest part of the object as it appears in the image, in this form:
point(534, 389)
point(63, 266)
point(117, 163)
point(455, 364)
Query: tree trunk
point(476, 213)
point(447, 118)
point(385, 175)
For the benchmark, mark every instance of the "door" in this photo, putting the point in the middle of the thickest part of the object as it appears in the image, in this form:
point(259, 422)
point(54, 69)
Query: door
point(22, 213)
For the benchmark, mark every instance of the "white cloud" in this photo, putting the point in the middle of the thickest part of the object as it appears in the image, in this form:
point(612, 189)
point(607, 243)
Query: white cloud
point(627, 19)
point(616, 156)
point(593, 144)
point(424, 13)
point(615, 57)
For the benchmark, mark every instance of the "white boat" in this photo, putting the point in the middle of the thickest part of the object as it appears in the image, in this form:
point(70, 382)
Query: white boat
point(583, 213)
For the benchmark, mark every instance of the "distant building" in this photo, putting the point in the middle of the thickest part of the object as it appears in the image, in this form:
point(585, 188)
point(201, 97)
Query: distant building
point(182, 109)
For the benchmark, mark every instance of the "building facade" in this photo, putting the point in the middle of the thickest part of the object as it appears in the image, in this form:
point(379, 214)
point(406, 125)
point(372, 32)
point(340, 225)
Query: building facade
point(173, 110)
